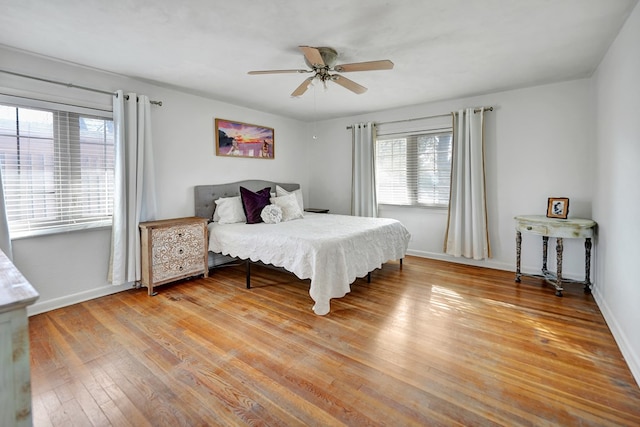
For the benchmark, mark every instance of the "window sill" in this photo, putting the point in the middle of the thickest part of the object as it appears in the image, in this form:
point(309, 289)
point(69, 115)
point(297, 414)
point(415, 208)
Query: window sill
point(433, 208)
point(62, 230)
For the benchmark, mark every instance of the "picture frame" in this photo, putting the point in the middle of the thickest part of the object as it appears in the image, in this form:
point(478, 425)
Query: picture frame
point(558, 207)
point(239, 139)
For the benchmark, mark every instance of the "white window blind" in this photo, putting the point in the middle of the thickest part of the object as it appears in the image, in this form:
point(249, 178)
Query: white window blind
point(57, 168)
point(414, 169)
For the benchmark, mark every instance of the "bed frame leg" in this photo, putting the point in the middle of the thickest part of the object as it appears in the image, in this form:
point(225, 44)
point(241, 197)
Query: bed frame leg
point(248, 274)
point(401, 263)
point(369, 277)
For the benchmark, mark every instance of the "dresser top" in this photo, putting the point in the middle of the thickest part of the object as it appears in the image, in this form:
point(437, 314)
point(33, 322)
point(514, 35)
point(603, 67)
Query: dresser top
point(556, 227)
point(15, 290)
point(174, 221)
point(556, 222)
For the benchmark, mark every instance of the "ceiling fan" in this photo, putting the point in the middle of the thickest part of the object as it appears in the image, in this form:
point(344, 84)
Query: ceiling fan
point(322, 61)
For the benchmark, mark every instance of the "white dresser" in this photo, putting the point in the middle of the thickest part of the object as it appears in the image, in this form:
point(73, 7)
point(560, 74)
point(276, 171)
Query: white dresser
point(173, 249)
point(15, 374)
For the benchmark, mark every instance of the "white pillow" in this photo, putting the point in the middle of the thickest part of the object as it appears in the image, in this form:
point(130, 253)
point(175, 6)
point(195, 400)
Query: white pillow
point(229, 210)
point(289, 206)
point(271, 214)
point(216, 211)
point(282, 192)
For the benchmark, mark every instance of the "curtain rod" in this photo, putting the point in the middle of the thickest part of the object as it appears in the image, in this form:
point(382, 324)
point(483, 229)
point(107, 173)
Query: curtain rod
point(110, 110)
point(70, 85)
point(477, 110)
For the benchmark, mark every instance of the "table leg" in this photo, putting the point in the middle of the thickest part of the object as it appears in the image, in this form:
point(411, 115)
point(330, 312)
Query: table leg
point(545, 247)
point(587, 265)
point(559, 247)
point(518, 249)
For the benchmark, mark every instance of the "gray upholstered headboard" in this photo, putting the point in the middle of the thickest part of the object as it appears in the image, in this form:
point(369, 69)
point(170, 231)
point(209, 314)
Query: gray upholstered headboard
point(205, 195)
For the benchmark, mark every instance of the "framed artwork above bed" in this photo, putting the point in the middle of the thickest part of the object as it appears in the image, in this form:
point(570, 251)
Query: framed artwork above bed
point(237, 139)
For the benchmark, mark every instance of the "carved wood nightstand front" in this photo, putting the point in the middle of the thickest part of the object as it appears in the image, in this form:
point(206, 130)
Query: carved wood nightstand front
point(173, 249)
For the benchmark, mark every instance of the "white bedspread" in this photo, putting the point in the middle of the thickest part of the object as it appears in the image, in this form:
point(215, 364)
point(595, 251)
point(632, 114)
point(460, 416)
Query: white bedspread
point(331, 250)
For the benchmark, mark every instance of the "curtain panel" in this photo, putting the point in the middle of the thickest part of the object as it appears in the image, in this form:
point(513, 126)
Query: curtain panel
point(134, 189)
point(5, 238)
point(467, 233)
point(363, 181)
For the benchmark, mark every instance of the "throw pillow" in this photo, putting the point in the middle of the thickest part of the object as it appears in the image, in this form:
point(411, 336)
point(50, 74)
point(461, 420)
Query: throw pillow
point(229, 210)
point(253, 203)
point(289, 206)
point(282, 192)
point(271, 214)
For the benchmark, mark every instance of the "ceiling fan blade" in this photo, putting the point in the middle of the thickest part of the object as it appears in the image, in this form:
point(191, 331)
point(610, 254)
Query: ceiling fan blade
point(349, 84)
point(313, 55)
point(303, 87)
point(384, 64)
point(278, 71)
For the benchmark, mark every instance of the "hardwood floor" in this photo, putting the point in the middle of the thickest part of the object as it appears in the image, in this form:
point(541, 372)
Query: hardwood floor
point(432, 344)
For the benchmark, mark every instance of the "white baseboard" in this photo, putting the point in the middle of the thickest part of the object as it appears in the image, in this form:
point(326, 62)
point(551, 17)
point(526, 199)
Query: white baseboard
point(460, 260)
point(632, 359)
point(489, 263)
point(52, 304)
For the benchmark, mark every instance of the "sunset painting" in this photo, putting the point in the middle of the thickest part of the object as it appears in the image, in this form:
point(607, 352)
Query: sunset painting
point(236, 139)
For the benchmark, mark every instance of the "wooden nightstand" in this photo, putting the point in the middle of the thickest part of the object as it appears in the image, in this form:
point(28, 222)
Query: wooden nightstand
point(316, 210)
point(173, 249)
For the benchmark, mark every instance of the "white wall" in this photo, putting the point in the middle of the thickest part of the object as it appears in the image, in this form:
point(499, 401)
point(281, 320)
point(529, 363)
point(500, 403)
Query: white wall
point(617, 198)
point(71, 267)
point(539, 144)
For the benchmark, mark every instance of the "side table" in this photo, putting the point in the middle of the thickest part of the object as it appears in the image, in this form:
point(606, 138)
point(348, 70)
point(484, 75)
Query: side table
point(572, 228)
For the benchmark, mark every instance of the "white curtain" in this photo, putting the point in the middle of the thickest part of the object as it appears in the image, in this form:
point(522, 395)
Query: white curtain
point(467, 232)
point(135, 196)
point(5, 238)
point(363, 182)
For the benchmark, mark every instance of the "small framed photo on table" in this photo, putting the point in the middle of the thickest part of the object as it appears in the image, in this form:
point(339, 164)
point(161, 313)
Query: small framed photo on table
point(558, 207)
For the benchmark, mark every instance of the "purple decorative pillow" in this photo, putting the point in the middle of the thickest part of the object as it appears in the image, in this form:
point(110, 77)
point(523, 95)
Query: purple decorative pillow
point(253, 203)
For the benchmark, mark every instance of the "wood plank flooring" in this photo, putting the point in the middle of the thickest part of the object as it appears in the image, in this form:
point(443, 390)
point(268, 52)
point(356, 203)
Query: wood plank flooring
point(433, 343)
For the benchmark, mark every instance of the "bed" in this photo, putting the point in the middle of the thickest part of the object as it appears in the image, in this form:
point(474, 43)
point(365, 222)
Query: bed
point(331, 250)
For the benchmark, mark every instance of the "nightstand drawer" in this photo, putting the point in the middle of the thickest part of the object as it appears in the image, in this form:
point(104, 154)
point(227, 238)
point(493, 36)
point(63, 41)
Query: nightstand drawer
point(533, 228)
point(175, 268)
point(177, 243)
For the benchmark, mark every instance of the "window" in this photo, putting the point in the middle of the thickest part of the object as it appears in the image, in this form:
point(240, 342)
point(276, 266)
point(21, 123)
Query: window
point(414, 169)
point(57, 168)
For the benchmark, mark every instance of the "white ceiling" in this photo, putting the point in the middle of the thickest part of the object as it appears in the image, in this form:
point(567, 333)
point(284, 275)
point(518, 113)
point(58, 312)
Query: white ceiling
point(442, 49)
